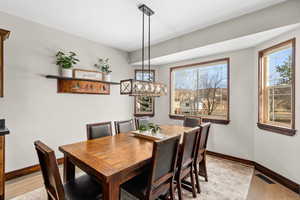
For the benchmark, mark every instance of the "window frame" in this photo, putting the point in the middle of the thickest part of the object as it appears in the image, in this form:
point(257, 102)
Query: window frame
point(265, 126)
point(216, 121)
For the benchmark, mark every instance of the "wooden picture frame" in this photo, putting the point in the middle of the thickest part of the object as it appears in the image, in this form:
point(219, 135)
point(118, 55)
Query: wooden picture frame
point(87, 74)
point(4, 34)
point(216, 121)
point(144, 106)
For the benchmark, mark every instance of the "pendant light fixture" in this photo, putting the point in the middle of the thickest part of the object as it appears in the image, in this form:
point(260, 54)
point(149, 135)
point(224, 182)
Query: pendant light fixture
point(143, 87)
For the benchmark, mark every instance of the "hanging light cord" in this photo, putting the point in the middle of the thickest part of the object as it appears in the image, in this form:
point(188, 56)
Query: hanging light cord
point(143, 30)
point(149, 48)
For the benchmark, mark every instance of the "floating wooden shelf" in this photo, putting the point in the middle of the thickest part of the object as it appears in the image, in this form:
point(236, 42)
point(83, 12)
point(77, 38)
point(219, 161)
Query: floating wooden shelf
point(80, 79)
point(82, 86)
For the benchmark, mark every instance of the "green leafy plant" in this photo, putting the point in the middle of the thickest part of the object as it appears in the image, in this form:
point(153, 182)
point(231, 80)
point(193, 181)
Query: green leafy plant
point(103, 65)
point(143, 127)
point(66, 61)
point(154, 127)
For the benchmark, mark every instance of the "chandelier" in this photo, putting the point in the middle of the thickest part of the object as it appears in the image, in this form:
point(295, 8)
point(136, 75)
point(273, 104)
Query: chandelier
point(133, 87)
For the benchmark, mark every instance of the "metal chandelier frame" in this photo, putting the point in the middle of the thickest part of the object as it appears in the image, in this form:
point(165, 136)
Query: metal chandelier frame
point(143, 87)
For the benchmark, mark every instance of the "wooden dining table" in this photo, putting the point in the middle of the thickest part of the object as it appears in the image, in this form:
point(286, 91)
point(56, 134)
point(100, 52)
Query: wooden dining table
point(113, 159)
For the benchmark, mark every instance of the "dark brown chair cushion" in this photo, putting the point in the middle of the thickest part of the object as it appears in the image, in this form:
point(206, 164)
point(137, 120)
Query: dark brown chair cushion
point(137, 186)
point(83, 188)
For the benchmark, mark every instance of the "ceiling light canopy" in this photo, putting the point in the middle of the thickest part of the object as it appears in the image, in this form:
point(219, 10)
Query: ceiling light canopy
point(143, 87)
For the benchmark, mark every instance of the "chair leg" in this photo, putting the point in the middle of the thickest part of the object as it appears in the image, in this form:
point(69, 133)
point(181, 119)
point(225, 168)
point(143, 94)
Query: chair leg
point(193, 183)
point(203, 168)
point(179, 188)
point(49, 197)
point(172, 193)
point(197, 178)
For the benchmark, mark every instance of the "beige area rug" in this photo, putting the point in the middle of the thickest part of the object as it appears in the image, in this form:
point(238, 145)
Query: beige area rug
point(226, 181)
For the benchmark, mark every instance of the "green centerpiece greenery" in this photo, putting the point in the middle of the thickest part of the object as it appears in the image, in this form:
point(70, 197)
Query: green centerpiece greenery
point(154, 128)
point(143, 128)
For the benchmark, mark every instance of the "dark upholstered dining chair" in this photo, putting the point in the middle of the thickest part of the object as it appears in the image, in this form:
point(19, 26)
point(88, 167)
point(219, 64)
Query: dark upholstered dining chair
point(98, 130)
point(191, 121)
point(160, 179)
point(141, 121)
point(124, 126)
point(81, 188)
point(186, 162)
point(200, 155)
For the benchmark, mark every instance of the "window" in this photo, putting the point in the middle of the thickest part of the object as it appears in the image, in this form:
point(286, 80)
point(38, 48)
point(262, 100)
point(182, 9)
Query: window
point(201, 89)
point(144, 106)
point(277, 88)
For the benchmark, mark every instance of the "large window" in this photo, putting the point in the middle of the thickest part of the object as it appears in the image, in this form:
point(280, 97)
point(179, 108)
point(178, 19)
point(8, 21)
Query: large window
point(277, 88)
point(201, 89)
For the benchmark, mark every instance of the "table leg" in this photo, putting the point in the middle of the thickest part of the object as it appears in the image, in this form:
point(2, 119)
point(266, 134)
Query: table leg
point(111, 190)
point(69, 169)
point(2, 167)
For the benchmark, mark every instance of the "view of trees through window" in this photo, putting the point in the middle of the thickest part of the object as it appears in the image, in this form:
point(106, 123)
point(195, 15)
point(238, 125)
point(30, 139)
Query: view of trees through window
point(201, 90)
point(277, 80)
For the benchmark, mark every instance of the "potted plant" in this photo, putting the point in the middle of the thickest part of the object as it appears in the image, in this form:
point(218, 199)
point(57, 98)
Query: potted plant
point(154, 128)
point(66, 63)
point(143, 128)
point(104, 66)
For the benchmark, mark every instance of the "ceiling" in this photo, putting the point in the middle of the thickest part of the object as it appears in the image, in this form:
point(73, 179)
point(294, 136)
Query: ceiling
point(117, 23)
point(221, 47)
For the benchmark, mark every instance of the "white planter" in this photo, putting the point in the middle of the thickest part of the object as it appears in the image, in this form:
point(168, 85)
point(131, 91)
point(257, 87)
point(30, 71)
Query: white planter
point(107, 77)
point(66, 73)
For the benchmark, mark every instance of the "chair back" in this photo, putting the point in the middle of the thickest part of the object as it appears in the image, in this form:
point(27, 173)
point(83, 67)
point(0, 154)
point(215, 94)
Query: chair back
point(188, 148)
point(204, 132)
point(141, 121)
point(98, 130)
point(163, 165)
point(192, 121)
point(202, 140)
point(124, 126)
point(49, 168)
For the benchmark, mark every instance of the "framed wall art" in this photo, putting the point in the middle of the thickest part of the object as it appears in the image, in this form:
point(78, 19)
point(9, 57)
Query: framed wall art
point(87, 74)
point(4, 34)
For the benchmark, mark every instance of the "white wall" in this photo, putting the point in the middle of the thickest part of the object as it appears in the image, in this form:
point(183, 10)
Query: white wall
point(236, 138)
point(279, 152)
point(32, 107)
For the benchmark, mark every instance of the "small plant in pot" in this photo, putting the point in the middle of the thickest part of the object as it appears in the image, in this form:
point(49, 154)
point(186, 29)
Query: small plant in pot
point(66, 62)
point(143, 128)
point(154, 128)
point(104, 66)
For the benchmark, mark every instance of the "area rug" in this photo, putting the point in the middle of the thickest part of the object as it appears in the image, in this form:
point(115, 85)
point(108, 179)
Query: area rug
point(226, 181)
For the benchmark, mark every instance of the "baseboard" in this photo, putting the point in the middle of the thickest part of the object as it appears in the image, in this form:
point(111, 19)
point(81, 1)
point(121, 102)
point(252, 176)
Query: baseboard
point(295, 187)
point(27, 170)
point(232, 158)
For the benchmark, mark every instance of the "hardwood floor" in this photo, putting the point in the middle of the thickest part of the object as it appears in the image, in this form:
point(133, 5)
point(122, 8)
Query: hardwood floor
point(259, 189)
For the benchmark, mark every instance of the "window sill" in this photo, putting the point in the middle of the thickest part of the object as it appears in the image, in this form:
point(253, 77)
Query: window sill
point(276, 129)
point(215, 121)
